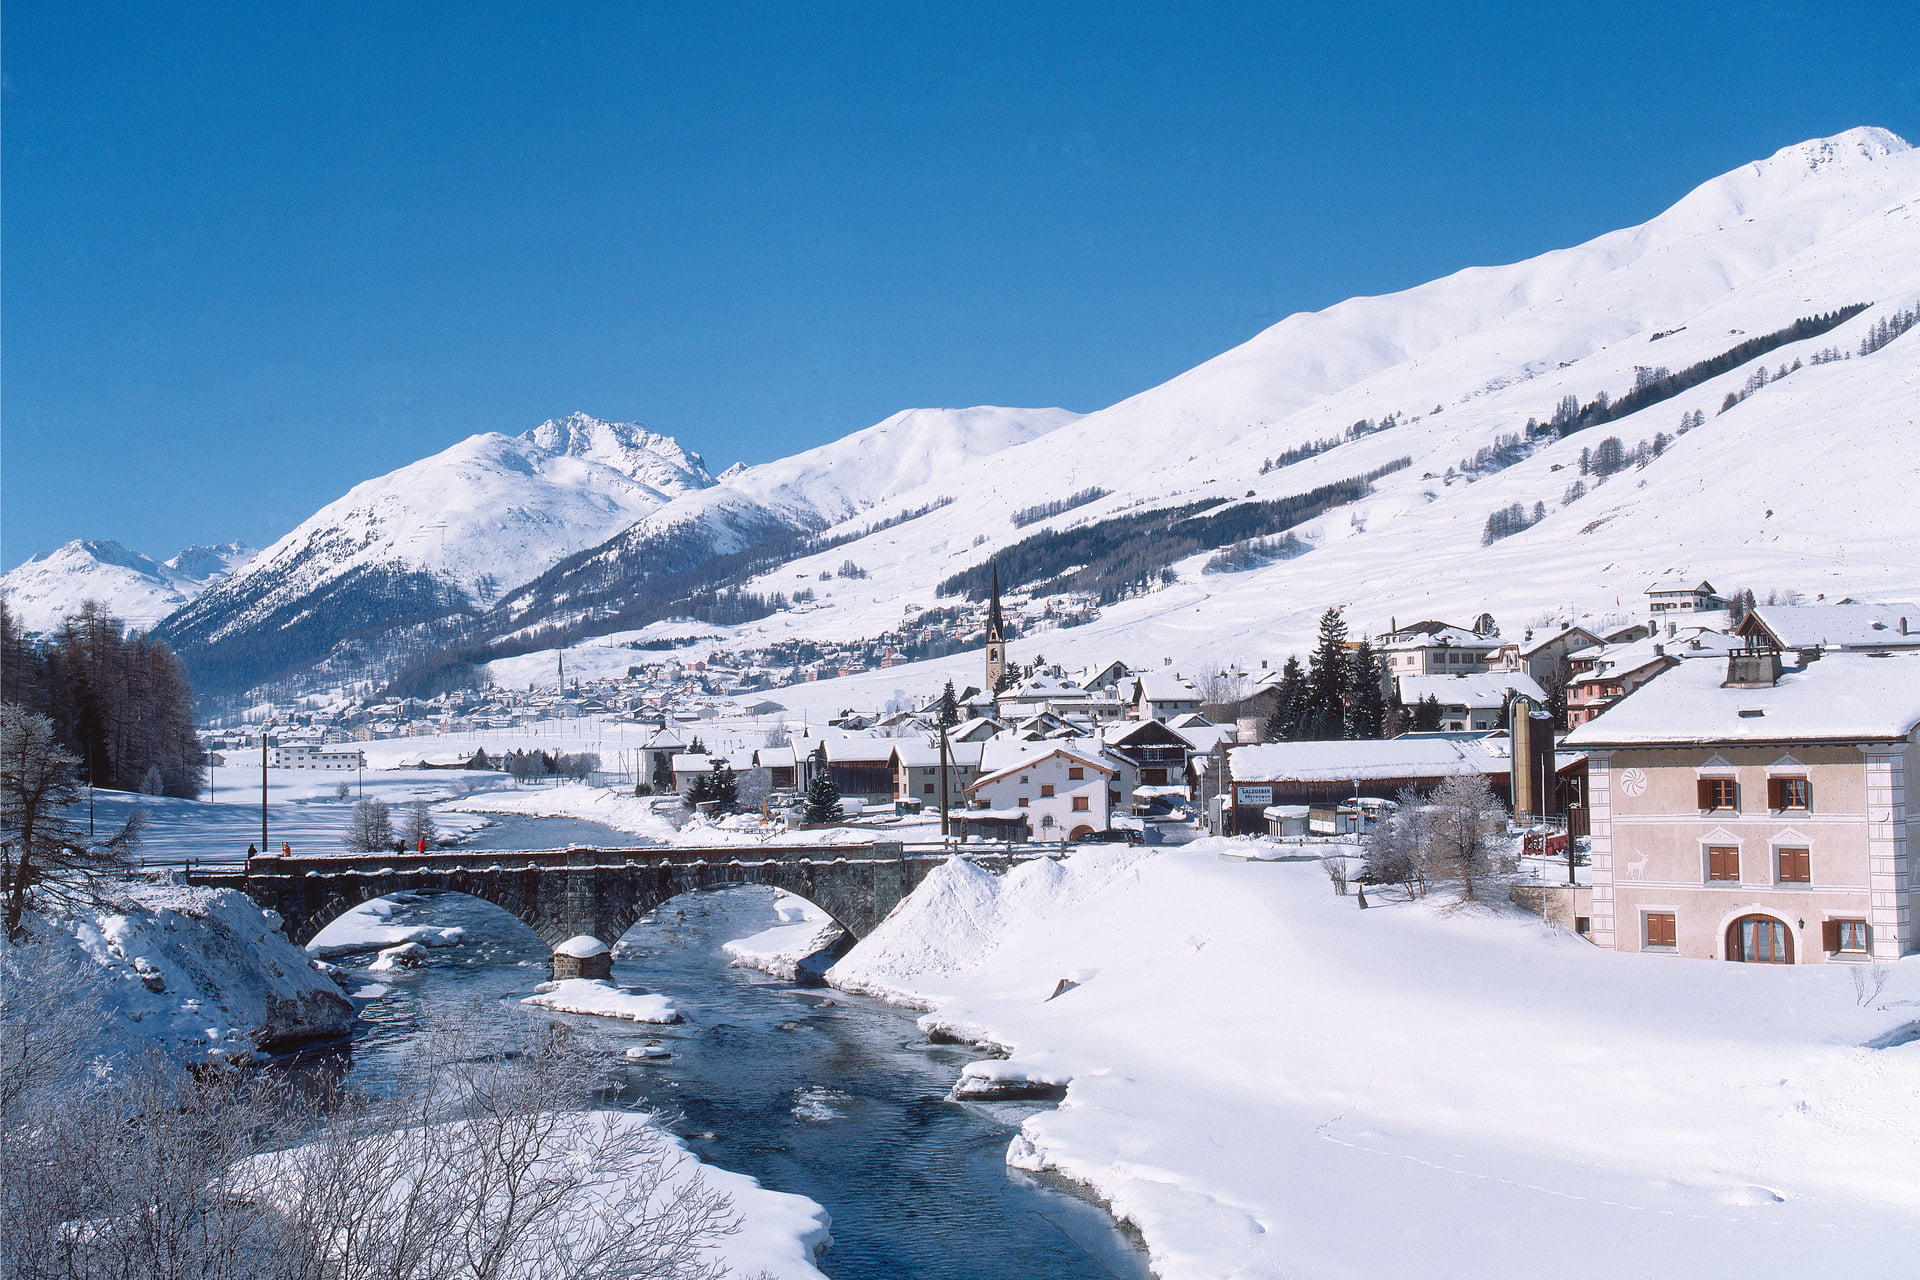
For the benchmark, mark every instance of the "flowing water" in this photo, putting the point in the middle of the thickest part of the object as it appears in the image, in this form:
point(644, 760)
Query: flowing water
point(833, 1096)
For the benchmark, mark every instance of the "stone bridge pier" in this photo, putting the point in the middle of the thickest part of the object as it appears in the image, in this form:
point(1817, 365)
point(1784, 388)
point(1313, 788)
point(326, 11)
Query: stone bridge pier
point(574, 897)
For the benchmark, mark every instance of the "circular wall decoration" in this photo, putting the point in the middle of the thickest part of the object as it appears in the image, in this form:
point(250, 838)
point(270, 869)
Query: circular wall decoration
point(1634, 782)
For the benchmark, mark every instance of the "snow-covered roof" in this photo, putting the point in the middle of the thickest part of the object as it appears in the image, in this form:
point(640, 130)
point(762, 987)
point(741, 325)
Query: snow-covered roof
point(1613, 661)
point(1476, 691)
point(1843, 696)
point(919, 753)
point(1424, 635)
point(1680, 588)
point(1002, 756)
point(1191, 720)
point(1362, 760)
point(1841, 626)
point(688, 763)
point(847, 747)
point(1157, 687)
point(776, 757)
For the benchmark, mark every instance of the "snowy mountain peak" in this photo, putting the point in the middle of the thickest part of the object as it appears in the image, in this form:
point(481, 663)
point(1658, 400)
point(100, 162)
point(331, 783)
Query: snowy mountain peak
point(1866, 143)
point(133, 587)
point(630, 448)
point(203, 564)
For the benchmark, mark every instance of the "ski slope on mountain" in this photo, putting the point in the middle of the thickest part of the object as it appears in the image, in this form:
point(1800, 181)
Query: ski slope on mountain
point(134, 588)
point(1806, 484)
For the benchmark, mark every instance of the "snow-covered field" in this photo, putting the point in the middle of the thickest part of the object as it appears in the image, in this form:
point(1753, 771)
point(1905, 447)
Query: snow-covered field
point(1270, 1082)
point(638, 815)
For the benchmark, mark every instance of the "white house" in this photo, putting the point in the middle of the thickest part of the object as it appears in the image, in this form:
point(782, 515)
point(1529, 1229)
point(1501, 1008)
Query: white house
point(1063, 787)
point(312, 756)
point(1476, 701)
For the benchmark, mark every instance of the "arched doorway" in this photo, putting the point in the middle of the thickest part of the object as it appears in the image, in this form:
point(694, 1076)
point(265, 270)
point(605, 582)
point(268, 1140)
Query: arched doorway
point(1077, 832)
point(1760, 940)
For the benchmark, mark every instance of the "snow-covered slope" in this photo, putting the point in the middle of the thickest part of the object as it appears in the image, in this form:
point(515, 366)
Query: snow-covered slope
point(845, 480)
point(445, 534)
point(1805, 484)
point(132, 587)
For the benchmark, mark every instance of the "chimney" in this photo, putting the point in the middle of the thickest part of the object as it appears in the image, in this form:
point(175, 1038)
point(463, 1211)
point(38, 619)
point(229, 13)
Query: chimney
point(1753, 669)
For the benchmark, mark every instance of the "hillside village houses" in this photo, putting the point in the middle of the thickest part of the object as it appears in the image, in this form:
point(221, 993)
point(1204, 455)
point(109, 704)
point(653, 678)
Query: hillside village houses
point(1757, 818)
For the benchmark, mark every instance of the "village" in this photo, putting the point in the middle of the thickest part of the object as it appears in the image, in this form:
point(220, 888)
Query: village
point(1714, 778)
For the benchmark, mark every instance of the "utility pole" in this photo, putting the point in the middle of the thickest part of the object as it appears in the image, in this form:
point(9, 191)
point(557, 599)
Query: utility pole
point(946, 821)
point(264, 851)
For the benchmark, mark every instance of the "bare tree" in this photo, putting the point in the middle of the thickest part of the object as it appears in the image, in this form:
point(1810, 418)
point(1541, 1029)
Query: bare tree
point(43, 854)
point(418, 826)
point(1462, 834)
point(1393, 848)
point(482, 1166)
point(369, 827)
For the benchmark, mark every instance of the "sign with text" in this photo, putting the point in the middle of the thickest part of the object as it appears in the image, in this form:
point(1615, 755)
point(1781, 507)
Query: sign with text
point(1256, 795)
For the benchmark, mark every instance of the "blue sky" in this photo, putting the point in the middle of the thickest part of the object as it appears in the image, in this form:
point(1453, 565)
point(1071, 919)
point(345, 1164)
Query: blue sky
point(255, 254)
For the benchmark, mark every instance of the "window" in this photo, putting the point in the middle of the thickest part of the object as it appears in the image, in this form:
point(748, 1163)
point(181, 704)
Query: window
point(1583, 925)
point(1080, 804)
point(1795, 866)
point(926, 788)
point(1723, 863)
point(1659, 928)
point(1719, 793)
point(1789, 793)
point(1076, 774)
point(1844, 935)
point(1046, 789)
point(1022, 803)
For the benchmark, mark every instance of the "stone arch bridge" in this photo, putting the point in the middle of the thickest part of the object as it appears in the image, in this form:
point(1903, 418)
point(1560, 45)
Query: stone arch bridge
point(598, 893)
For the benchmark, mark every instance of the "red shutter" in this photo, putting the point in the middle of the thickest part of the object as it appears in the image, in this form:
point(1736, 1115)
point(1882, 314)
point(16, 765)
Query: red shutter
point(1830, 935)
point(1703, 789)
point(1776, 793)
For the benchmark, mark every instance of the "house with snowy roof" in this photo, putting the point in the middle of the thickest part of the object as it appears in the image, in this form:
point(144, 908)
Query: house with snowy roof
point(1435, 648)
point(1330, 772)
point(1062, 788)
point(1667, 598)
point(918, 773)
point(1607, 673)
point(1159, 695)
point(1469, 701)
point(1756, 811)
point(1815, 628)
point(1542, 656)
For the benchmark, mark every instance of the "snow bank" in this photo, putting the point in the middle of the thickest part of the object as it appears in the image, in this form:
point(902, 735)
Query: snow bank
point(602, 999)
point(364, 929)
point(637, 816)
point(783, 950)
point(1268, 1081)
point(196, 974)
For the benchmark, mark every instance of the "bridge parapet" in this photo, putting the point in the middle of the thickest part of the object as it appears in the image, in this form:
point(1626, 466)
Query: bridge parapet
point(598, 893)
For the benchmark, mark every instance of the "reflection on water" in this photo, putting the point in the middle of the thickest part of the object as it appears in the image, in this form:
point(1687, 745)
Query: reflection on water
point(814, 1091)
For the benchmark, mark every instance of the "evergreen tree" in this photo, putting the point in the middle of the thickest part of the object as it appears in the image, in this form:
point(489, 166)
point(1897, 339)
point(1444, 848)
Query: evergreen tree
point(726, 787)
point(1426, 714)
point(947, 714)
point(662, 772)
point(1328, 667)
point(1365, 709)
point(696, 747)
point(823, 799)
point(1290, 698)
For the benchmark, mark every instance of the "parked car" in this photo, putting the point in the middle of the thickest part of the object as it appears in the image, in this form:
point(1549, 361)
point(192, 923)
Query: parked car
point(1110, 837)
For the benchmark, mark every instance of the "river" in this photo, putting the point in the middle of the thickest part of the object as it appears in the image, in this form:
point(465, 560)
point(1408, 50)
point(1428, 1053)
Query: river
point(811, 1090)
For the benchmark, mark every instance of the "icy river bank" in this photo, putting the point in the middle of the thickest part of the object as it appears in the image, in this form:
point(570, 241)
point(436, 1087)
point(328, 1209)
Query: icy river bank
point(836, 1097)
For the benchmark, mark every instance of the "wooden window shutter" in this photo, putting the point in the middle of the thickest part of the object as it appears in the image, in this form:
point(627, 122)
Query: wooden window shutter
point(1776, 793)
point(1830, 935)
point(1704, 791)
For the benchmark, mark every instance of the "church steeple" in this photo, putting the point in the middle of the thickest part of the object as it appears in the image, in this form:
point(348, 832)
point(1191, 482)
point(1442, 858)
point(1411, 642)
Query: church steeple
point(996, 636)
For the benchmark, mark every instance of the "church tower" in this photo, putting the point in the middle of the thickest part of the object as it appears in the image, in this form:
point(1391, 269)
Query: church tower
point(996, 638)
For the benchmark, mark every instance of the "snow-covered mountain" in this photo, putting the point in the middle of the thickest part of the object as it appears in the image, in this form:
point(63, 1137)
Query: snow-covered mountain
point(1807, 483)
point(766, 507)
point(135, 588)
point(1382, 433)
point(442, 536)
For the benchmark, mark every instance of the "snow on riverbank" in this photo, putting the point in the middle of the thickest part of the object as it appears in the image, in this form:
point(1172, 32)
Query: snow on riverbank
point(1268, 1081)
point(805, 932)
point(194, 975)
point(365, 928)
point(602, 999)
